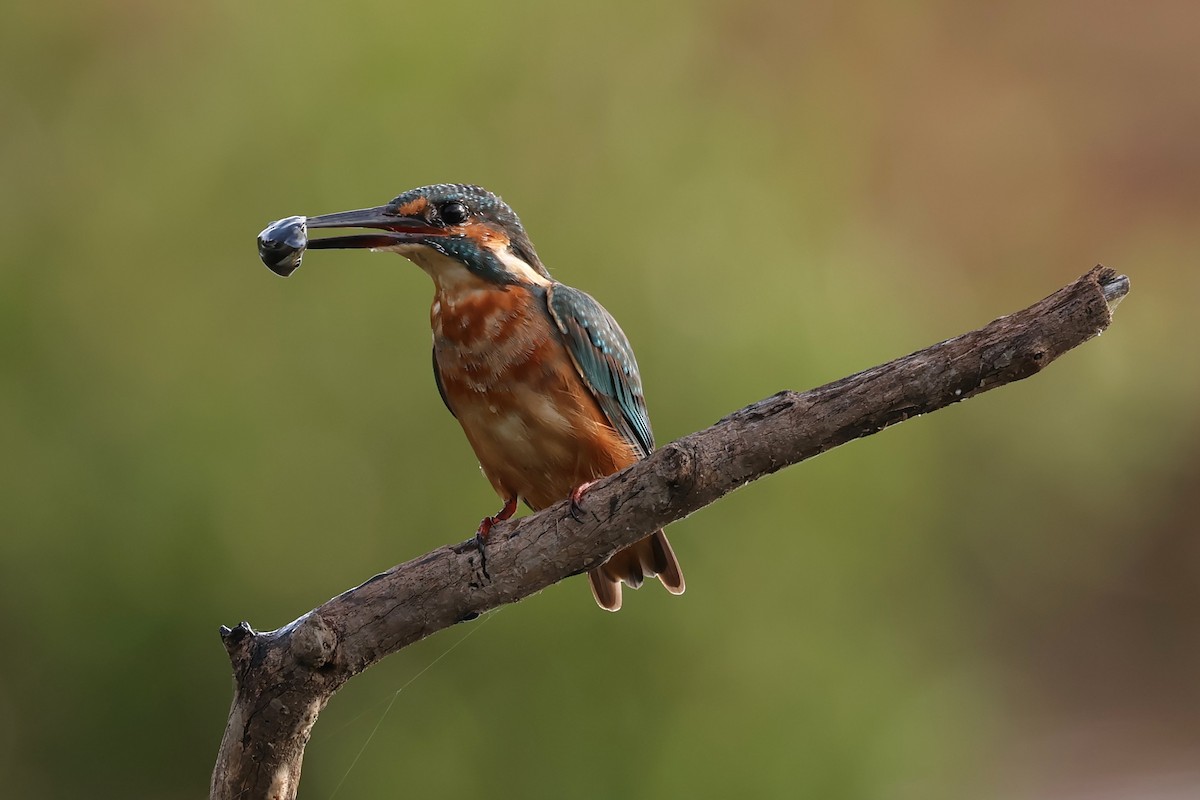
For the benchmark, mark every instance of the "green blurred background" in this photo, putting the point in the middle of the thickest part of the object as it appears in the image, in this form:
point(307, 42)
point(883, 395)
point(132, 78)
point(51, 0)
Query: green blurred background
point(999, 600)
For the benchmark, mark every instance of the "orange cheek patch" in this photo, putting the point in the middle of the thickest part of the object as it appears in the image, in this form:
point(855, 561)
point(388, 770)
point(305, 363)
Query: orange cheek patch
point(484, 234)
point(413, 208)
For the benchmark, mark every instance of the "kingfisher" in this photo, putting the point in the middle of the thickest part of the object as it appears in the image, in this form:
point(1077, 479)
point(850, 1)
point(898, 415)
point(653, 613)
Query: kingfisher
point(539, 375)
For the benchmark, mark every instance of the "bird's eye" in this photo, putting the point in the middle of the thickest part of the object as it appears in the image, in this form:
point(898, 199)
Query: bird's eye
point(454, 213)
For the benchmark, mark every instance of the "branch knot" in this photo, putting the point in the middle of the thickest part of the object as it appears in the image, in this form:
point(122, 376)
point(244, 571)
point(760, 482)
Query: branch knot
point(681, 461)
point(313, 642)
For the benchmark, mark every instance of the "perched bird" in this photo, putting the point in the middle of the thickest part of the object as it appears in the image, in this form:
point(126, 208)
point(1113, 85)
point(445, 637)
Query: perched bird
point(539, 375)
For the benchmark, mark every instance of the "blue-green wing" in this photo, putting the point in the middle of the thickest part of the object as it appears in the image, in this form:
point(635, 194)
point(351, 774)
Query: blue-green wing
point(605, 362)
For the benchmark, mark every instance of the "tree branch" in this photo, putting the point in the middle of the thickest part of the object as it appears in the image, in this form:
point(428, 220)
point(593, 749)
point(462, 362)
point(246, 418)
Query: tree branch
point(285, 677)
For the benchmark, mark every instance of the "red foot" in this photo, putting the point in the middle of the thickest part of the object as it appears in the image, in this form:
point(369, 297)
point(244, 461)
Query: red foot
point(577, 499)
point(485, 525)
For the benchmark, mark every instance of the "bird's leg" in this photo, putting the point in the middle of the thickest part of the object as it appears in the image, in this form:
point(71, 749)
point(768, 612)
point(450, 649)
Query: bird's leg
point(485, 525)
point(577, 499)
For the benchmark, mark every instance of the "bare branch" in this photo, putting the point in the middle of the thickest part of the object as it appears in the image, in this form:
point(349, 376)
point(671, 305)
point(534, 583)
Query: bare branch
point(285, 677)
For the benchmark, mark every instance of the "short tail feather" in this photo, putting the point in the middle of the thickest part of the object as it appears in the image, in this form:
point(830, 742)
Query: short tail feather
point(648, 558)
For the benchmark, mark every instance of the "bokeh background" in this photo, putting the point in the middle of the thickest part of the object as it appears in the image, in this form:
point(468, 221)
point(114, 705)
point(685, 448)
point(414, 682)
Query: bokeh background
point(995, 601)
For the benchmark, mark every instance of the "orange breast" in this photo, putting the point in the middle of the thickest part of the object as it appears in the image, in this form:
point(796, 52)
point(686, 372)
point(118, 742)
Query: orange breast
point(532, 422)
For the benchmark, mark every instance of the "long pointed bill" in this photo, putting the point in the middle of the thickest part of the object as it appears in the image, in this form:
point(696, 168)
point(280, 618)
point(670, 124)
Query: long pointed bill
point(281, 245)
point(393, 229)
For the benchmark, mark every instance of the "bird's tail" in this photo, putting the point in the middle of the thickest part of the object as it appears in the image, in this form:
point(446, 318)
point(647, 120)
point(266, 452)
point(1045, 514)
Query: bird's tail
point(648, 558)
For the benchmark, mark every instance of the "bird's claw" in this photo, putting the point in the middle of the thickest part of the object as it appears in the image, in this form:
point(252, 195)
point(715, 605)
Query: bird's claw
point(486, 524)
point(576, 508)
point(481, 533)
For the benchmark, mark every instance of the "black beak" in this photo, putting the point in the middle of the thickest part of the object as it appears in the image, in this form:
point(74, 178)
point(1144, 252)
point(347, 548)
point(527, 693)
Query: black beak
point(393, 229)
point(281, 245)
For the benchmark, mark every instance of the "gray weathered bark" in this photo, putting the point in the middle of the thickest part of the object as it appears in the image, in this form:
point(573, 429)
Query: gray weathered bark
point(283, 678)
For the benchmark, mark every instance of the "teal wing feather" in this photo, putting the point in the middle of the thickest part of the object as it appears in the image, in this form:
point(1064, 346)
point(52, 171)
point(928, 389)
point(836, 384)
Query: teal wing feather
point(605, 362)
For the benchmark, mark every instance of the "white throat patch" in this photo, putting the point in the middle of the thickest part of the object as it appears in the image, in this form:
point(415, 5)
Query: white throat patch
point(449, 273)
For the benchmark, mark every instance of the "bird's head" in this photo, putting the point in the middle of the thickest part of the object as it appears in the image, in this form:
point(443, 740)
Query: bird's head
point(452, 231)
